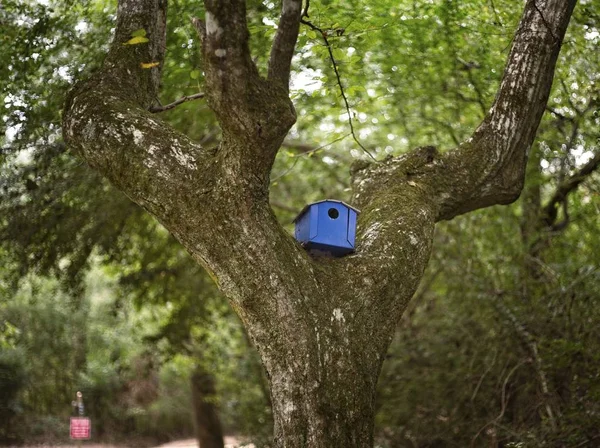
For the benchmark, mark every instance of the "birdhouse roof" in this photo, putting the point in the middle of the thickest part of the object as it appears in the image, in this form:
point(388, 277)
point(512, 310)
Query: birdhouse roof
point(318, 202)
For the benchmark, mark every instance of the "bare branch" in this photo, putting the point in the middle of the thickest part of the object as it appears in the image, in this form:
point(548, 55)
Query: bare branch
point(443, 124)
point(558, 114)
point(285, 42)
point(478, 92)
point(498, 21)
point(550, 210)
point(530, 344)
point(340, 85)
point(183, 99)
point(306, 151)
point(503, 402)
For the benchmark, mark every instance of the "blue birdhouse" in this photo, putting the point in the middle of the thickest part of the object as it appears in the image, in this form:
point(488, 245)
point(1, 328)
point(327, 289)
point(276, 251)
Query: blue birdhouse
point(327, 227)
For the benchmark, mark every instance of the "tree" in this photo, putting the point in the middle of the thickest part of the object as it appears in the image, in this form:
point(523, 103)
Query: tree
point(321, 326)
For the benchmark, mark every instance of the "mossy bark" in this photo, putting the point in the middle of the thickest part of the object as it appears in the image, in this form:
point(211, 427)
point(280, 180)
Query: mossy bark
point(322, 326)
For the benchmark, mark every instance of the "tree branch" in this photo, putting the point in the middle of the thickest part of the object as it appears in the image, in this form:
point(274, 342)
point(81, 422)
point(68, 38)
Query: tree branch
point(489, 168)
point(339, 83)
point(183, 99)
point(566, 187)
point(107, 123)
point(401, 198)
point(194, 192)
point(123, 64)
point(228, 63)
point(284, 43)
point(254, 114)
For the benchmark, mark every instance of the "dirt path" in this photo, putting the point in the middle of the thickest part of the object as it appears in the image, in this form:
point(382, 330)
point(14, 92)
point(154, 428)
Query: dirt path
point(230, 442)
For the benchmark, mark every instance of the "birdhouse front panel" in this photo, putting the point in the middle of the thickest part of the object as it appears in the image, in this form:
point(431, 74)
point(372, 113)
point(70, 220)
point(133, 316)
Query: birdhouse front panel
point(327, 227)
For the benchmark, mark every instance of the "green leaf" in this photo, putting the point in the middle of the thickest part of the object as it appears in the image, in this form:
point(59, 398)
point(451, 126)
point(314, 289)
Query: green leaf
point(137, 40)
point(338, 54)
point(195, 74)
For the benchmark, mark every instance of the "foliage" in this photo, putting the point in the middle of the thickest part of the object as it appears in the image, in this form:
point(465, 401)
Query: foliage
point(461, 371)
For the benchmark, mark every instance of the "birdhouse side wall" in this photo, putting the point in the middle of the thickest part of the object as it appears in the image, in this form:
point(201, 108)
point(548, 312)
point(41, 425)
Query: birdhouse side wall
point(314, 221)
point(351, 227)
point(302, 229)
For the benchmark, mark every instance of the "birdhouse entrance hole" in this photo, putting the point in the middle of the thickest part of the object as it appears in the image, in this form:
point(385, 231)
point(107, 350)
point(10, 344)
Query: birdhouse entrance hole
point(333, 213)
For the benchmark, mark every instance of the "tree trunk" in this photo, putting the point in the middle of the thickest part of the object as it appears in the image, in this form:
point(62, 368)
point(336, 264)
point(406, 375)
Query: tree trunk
point(338, 413)
point(321, 325)
point(323, 368)
point(206, 416)
point(330, 405)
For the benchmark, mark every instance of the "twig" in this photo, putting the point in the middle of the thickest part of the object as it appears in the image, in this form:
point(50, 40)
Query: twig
point(284, 207)
point(305, 10)
point(298, 146)
point(530, 343)
point(183, 99)
point(496, 13)
point(307, 153)
point(503, 403)
point(558, 114)
point(339, 81)
point(443, 124)
point(568, 186)
point(478, 92)
point(474, 394)
point(586, 442)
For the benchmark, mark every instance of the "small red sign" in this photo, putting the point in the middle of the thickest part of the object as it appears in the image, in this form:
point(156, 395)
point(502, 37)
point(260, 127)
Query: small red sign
point(81, 428)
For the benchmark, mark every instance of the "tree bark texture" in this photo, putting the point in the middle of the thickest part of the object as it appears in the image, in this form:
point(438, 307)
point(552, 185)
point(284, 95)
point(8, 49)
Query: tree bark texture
point(321, 325)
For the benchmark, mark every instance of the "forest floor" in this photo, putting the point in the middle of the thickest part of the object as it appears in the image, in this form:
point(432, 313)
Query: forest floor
point(230, 442)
